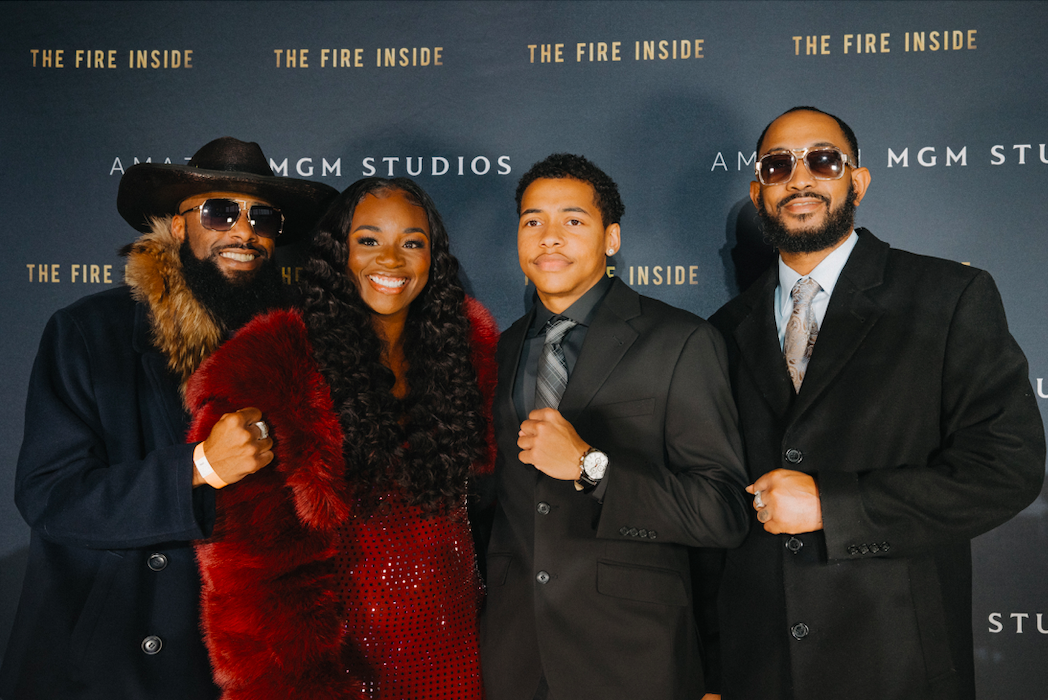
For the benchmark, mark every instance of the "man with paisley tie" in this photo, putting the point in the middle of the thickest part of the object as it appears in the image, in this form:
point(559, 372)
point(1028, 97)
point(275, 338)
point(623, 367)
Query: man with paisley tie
point(887, 418)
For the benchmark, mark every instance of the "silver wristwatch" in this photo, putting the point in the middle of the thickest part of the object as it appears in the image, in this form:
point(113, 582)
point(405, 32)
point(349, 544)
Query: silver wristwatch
point(593, 465)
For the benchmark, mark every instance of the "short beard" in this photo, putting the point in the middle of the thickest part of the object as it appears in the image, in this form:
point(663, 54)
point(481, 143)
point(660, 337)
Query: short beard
point(839, 223)
point(232, 302)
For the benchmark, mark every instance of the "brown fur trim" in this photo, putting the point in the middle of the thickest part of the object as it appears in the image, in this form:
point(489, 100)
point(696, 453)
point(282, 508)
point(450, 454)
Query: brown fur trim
point(182, 329)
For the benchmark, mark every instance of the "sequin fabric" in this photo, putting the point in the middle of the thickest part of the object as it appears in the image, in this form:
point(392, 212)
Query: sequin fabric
point(410, 590)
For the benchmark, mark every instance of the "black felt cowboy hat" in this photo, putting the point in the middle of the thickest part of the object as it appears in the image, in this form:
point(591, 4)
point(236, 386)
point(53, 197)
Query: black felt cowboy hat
point(154, 190)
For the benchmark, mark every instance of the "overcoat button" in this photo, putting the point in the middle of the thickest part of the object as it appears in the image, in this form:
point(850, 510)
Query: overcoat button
point(542, 577)
point(799, 631)
point(157, 561)
point(794, 456)
point(794, 545)
point(152, 644)
point(543, 508)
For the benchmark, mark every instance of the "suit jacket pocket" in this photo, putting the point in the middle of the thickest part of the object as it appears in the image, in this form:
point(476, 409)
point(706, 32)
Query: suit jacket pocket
point(647, 584)
point(625, 409)
point(498, 568)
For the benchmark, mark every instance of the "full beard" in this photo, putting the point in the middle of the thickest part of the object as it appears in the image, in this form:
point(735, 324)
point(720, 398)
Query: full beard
point(839, 223)
point(232, 301)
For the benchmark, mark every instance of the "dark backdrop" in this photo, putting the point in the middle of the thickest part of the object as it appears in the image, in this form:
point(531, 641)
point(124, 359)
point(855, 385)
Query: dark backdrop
point(948, 100)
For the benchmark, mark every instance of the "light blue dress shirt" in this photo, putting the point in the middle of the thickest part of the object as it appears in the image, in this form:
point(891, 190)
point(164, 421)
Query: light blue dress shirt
point(825, 273)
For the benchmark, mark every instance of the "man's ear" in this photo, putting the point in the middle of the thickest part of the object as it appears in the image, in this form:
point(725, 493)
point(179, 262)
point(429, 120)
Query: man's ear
point(860, 182)
point(755, 193)
point(612, 238)
point(178, 228)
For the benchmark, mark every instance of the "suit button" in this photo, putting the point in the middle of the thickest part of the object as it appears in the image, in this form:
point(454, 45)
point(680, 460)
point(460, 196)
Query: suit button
point(794, 456)
point(799, 631)
point(863, 549)
point(633, 532)
point(853, 550)
point(624, 531)
point(885, 546)
point(543, 508)
point(542, 577)
point(152, 644)
point(642, 533)
point(652, 534)
point(794, 545)
point(157, 561)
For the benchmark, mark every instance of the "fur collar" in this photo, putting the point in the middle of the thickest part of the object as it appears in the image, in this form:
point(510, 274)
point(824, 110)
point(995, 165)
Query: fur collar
point(182, 329)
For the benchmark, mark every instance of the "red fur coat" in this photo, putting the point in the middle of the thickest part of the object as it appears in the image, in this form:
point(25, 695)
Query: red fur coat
point(271, 613)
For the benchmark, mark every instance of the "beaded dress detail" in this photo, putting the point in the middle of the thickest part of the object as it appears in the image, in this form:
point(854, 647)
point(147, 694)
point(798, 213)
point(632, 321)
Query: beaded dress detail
point(409, 586)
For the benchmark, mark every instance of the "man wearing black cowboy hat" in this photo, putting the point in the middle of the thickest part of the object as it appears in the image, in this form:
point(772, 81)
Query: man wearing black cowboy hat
point(113, 494)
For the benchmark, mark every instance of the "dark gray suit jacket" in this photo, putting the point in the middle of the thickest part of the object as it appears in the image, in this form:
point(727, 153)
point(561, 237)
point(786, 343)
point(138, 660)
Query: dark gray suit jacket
point(917, 419)
point(598, 596)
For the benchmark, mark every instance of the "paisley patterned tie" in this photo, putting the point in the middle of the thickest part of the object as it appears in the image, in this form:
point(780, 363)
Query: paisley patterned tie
point(801, 330)
point(553, 368)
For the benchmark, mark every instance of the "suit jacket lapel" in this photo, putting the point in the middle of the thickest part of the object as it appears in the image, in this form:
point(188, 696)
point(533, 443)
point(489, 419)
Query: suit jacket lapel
point(850, 316)
point(758, 344)
point(607, 340)
point(511, 344)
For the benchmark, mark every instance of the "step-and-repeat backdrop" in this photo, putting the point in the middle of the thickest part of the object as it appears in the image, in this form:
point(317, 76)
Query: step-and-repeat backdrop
point(948, 100)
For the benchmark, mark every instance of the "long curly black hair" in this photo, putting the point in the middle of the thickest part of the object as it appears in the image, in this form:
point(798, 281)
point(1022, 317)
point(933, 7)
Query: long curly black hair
point(425, 443)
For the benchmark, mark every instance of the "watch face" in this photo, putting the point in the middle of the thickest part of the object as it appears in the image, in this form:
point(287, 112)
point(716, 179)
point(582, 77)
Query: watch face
point(595, 464)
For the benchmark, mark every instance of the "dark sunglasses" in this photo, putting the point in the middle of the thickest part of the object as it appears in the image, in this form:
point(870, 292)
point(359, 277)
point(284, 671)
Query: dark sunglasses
point(823, 162)
point(222, 214)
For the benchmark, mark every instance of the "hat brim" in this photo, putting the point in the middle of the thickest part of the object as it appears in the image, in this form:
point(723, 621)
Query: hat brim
point(149, 190)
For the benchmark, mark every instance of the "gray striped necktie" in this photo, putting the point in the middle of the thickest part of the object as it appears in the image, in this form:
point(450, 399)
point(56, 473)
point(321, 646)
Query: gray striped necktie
point(553, 369)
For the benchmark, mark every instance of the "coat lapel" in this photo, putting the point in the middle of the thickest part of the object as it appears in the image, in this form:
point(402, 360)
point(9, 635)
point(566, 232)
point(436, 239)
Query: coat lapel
point(850, 316)
point(163, 400)
point(607, 340)
point(758, 344)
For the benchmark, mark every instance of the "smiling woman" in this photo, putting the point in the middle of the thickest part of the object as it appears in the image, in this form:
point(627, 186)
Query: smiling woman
point(377, 391)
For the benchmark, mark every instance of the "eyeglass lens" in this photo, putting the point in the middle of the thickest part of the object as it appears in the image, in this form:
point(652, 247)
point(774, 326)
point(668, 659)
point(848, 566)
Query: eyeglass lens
point(825, 164)
point(222, 215)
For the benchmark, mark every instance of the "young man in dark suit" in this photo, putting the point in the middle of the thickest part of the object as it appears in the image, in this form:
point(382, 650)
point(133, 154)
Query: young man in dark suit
point(618, 449)
point(888, 418)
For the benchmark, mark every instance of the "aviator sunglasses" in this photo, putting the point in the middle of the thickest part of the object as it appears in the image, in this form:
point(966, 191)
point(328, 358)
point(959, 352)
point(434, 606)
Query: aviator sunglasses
point(823, 162)
point(222, 214)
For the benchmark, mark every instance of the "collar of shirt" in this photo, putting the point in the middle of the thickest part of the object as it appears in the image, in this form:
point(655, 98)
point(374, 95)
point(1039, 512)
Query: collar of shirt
point(581, 311)
point(826, 273)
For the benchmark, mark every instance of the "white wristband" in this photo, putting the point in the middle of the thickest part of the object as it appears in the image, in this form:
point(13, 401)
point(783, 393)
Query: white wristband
point(203, 467)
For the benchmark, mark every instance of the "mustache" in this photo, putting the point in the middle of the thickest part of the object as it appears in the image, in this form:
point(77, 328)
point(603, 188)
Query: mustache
point(808, 194)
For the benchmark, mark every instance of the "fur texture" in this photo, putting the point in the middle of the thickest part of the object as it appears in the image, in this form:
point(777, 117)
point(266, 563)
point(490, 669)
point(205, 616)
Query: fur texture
point(183, 330)
point(270, 613)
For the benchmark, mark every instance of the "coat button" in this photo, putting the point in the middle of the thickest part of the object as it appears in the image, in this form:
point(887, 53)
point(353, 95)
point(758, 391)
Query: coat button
point(152, 644)
point(794, 456)
point(794, 545)
point(864, 549)
point(853, 550)
point(157, 561)
point(542, 577)
point(652, 534)
point(624, 531)
point(885, 546)
point(642, 533)
point(542, 508)
point(633, 532)
point(799, 631)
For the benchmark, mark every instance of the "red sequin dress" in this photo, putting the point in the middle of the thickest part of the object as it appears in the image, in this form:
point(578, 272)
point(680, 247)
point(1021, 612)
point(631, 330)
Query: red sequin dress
point(410, 590)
